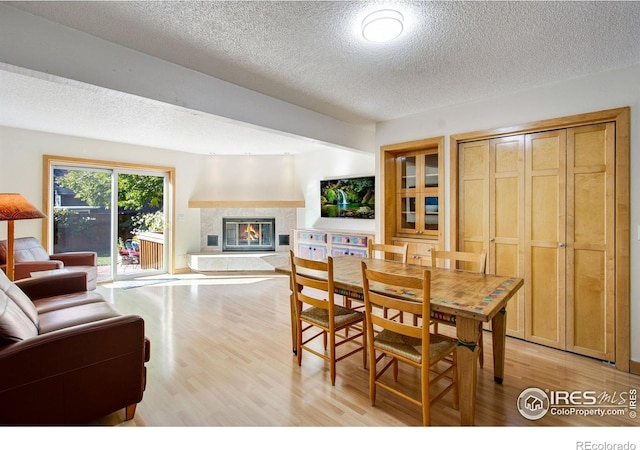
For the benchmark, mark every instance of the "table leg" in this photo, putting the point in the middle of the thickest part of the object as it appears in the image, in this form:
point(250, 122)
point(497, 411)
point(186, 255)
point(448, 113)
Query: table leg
point(467, 353)
point(499, 329)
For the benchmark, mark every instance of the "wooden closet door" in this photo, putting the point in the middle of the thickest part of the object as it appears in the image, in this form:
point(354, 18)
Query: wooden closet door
point(506, 220)
point(545, 237)
point(473, 158)
point(590, 240)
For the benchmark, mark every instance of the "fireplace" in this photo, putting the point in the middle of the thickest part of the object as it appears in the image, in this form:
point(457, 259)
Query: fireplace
point(244, 234)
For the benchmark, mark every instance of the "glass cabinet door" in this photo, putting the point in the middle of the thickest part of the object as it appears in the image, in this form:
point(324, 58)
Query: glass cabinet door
point(408, 172)
point(431, 171)
point(408, 213)
point(431, 213)
point(418, 196)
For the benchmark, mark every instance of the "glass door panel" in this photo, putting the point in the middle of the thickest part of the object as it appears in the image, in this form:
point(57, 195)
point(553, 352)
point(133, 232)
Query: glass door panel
point(431, 212)
point(140, 224)
point(409, 175)
point(82, 214)
point(431, 170)
point(408, 213)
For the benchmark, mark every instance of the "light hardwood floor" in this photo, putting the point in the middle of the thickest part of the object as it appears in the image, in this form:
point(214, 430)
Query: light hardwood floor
point(221, 356)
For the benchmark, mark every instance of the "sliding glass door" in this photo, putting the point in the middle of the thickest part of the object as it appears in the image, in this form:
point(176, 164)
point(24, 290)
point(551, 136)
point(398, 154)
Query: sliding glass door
point(140, 223)
point(117, 213)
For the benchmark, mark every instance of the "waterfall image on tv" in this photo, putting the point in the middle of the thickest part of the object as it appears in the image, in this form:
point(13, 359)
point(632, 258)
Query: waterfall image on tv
point(352, 198)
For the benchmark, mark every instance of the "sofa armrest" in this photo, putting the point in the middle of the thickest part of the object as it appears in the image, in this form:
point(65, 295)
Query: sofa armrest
point(77, 258)
point(24, 269)
point(53, 285)
point(97, 368)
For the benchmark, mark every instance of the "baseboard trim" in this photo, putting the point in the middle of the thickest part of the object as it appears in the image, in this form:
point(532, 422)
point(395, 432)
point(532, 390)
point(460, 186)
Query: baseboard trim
point(634, 367)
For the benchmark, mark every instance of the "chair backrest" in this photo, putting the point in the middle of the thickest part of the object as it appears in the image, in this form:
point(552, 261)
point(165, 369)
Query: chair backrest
point(310, 276)
point(381, 290)
point(475, 262)
point(388, 251)
point(25, 249)
point(132, 247)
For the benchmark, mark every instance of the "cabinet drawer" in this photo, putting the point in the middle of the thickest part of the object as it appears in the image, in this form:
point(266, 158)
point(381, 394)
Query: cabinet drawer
point(349, 239)
point(421, 249)
point(312, 236)
point(348, 251)
point(418, 250)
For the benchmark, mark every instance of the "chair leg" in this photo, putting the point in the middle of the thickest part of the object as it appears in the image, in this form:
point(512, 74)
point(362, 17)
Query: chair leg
point(364, 344)
point(299, 343)
point(332, 357)
point(372, 376)
point(424, 394)
point(456, 392)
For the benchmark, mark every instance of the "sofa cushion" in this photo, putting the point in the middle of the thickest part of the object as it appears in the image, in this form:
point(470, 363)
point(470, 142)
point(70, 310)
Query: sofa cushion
point(75, 315)
point(25, 249)
point(47, 304)
point(19, 297)
point(15, 326)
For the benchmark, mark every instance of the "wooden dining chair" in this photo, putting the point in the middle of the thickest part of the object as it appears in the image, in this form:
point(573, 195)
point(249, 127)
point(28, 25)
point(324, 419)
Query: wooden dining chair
point(473, 262)
point(388, 251)
point(391, 341)
point(317, 315)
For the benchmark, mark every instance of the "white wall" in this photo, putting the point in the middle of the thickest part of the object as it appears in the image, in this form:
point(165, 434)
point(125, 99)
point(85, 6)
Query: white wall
point(594, 93)
point(315, 166)
point(246, 178)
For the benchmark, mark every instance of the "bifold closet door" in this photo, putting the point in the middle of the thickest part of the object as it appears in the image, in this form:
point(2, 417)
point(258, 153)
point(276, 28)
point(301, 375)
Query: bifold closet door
point(492, 211)
point(590, 240)
point(545, 238)
point(506, 220)
point(474, 196)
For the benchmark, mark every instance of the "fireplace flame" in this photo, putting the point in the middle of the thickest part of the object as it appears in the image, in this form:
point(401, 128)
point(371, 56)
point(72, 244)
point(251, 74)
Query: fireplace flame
point(249, 233)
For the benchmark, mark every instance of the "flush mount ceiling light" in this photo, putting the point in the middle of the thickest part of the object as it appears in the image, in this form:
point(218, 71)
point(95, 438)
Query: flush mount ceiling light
point(382, 26)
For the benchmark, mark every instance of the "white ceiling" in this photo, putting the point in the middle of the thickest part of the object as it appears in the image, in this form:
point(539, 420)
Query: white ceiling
point(310, 53)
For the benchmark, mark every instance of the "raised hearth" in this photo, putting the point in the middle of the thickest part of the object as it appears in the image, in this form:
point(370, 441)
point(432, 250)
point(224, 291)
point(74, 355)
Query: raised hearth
point(225, 262)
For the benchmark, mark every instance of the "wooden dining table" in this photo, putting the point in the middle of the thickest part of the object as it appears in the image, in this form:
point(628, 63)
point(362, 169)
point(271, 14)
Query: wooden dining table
point(467, 298)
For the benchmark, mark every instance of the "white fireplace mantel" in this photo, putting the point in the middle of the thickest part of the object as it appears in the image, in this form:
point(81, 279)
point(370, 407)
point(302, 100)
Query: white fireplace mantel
point(246, 203)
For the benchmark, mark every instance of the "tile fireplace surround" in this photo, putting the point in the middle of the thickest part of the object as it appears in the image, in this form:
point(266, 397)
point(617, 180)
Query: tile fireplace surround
point(212, 258)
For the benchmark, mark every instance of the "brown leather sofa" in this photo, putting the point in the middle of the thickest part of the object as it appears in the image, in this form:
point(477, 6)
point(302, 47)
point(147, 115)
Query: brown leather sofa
point(30, 256)
point(67, 357)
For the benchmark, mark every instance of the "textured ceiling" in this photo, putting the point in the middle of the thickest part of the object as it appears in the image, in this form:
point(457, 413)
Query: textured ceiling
point(310, 53)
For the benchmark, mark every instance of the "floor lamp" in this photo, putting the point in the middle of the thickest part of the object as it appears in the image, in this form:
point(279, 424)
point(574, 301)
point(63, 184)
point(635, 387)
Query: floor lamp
point(15, 207)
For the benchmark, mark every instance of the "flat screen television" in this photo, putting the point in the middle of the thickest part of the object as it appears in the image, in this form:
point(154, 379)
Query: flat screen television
point(348, 198)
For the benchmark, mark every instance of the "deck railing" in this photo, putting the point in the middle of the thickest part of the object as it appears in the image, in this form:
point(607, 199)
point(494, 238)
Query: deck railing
point(151, 250)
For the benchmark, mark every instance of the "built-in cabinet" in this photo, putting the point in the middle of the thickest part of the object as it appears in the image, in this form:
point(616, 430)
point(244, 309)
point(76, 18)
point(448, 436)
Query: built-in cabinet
point(542, 205)
point(413, 175)
point(418, 250)
point(318, 244)
point(418, 194)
